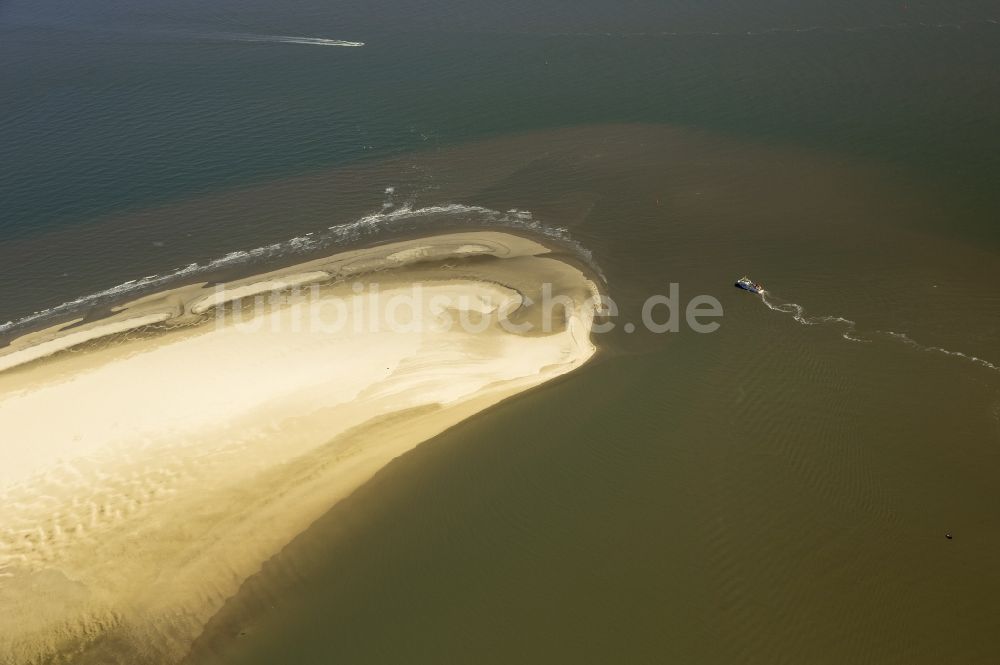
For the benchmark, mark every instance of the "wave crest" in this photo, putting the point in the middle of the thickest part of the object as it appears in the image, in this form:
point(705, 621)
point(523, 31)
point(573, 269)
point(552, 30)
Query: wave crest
point(385, 223)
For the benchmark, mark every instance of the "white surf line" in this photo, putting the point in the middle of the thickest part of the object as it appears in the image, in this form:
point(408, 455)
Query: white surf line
point(798, 313)
point(368, 226)
point(287, 39)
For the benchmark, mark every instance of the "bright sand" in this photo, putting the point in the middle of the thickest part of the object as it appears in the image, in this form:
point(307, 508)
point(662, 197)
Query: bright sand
point(147, 474)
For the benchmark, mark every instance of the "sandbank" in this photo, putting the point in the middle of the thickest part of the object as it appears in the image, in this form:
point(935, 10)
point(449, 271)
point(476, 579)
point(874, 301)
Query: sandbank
point(155, 458)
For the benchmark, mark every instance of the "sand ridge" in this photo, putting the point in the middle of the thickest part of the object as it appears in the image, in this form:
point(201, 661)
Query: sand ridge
point(148, 472)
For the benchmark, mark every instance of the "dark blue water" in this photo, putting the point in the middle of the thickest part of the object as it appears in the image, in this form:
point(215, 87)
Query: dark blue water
point(773, 493)
point(111, 106)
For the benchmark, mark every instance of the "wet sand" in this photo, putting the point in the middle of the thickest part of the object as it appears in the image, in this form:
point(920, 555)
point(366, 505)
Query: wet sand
point(770, 492)
point(773, 488)
point(148, 472)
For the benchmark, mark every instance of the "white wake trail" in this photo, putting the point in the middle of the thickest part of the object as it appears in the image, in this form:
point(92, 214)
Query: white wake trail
point(799, 314)
point(906, 339)
point(286, 39)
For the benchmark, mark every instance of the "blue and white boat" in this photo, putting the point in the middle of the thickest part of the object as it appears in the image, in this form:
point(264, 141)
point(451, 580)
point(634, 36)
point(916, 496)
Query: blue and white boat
point(748, 284)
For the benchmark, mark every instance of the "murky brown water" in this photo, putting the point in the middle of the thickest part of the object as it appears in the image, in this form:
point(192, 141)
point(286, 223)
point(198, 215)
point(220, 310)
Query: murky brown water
point(771, 492)
point(775, 492)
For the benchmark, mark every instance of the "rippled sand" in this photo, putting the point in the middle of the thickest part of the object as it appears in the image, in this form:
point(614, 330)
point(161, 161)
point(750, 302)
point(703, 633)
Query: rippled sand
point(156, 457)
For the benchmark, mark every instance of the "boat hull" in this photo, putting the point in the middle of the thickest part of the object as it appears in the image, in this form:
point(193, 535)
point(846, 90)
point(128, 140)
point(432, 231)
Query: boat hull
point(749, 286)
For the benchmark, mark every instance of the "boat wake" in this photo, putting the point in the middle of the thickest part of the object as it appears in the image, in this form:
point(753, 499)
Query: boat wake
point(798, 313)
point(384, 224)
point(907, 340)
point(283, 39)
point(850, 333)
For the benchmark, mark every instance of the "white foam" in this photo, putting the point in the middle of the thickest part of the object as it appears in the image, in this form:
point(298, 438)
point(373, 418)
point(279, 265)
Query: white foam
point(288, 39)
point(798, 313)
point(906, 339)
point(142, 485)
point(401, 218)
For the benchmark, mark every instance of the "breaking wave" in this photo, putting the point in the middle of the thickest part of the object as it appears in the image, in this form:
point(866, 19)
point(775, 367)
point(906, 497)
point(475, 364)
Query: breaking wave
point(450, 217)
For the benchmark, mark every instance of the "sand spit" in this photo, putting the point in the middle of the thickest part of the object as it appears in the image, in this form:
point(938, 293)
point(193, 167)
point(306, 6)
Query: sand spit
point(155, 458)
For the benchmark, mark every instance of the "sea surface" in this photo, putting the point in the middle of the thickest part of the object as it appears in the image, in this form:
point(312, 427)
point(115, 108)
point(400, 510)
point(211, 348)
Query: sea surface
point(777, 491)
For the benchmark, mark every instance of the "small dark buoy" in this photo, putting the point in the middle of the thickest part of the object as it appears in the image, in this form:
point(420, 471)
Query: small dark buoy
point(948, 536)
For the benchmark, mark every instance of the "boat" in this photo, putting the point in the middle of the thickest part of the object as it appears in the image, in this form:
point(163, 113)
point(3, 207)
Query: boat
point(748, 284)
